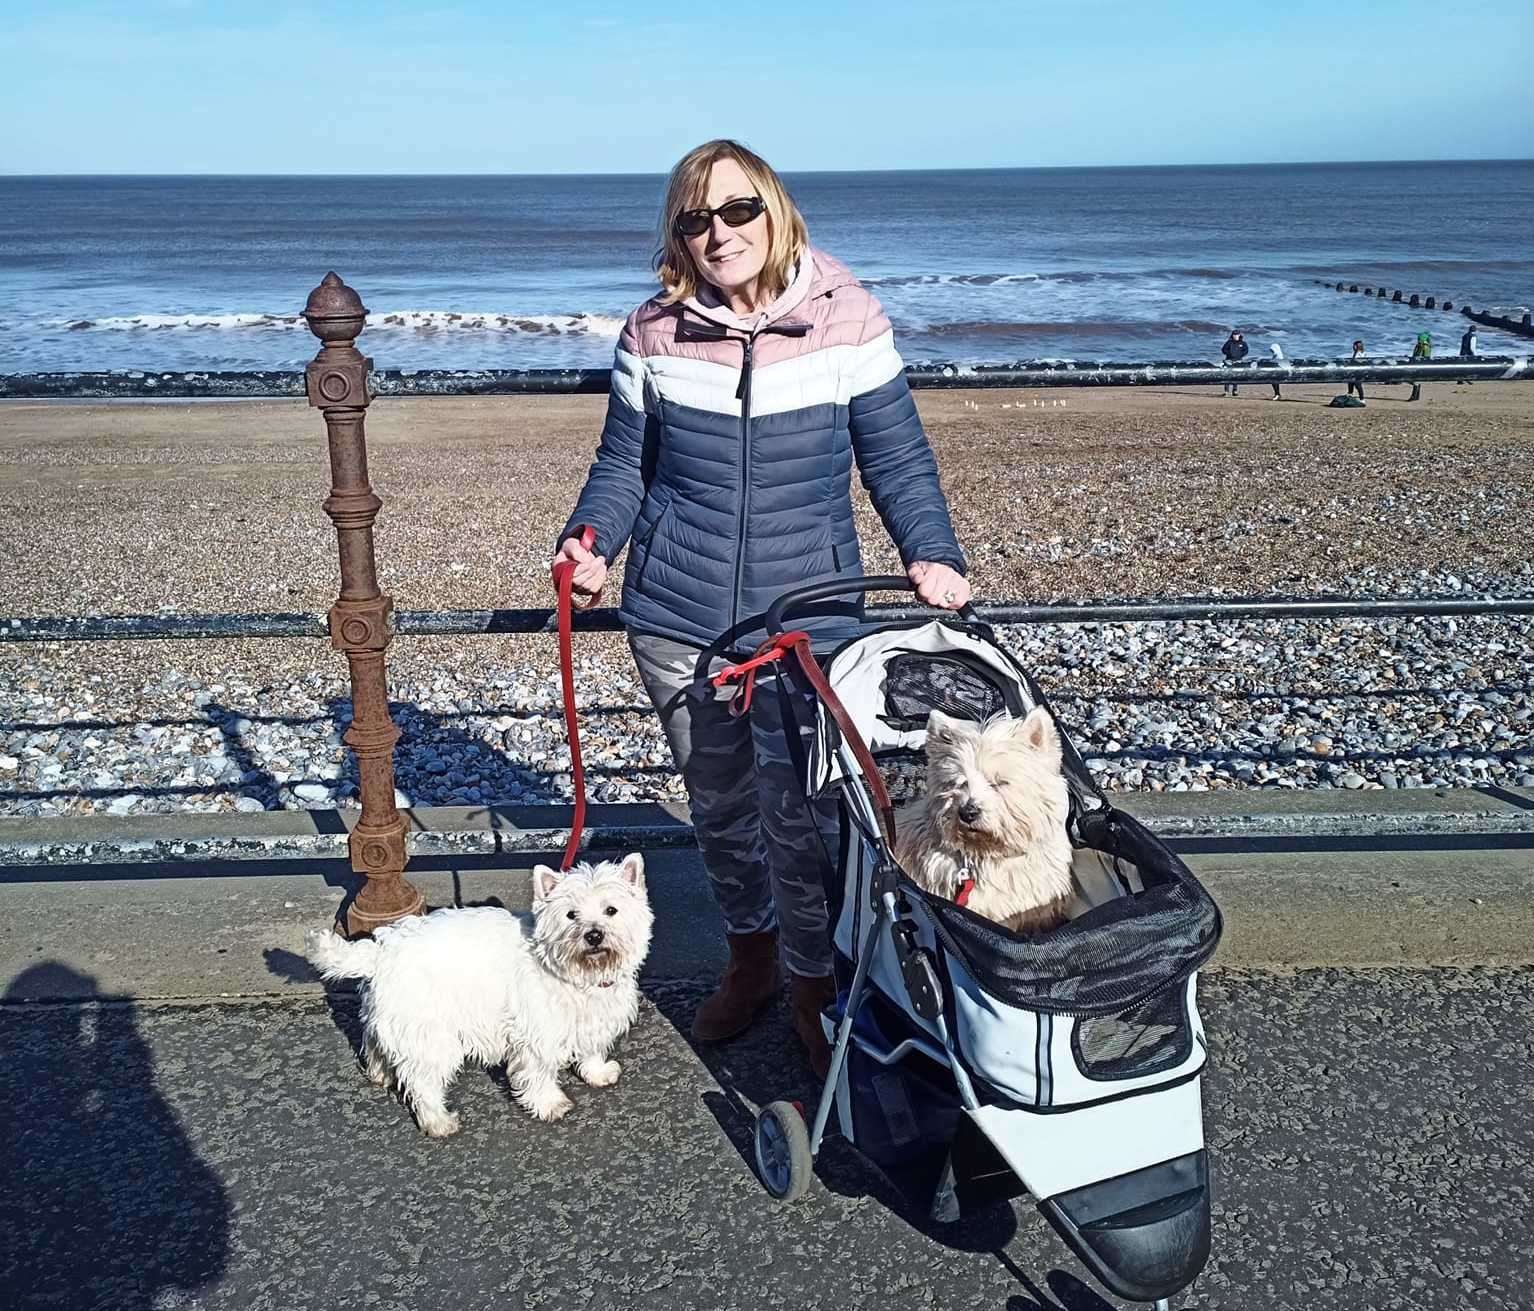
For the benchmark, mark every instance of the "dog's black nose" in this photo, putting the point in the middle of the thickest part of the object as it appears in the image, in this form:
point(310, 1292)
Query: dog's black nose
point(594, 937)
point(969, 812)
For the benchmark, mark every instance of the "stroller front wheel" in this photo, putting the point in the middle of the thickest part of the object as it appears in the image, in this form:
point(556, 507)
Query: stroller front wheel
point(783, 1158)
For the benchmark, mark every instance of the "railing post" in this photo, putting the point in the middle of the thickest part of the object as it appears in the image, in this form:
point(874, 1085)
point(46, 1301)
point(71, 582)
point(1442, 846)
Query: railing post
point(361, 619)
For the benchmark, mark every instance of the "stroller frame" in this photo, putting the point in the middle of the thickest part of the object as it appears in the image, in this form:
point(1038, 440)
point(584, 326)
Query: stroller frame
point(785, 1145)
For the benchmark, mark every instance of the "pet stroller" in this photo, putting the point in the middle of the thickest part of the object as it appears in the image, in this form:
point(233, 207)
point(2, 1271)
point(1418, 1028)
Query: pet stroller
point(969, 1064)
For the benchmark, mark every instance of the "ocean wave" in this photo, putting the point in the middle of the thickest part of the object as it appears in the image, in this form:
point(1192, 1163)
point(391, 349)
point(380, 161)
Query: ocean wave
point(949, 279)
point(166, 322)
point(1063, 275)
point(422, 321)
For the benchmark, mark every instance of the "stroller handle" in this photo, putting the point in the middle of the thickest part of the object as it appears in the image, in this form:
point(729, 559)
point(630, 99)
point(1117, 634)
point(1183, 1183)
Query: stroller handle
point(800, 597)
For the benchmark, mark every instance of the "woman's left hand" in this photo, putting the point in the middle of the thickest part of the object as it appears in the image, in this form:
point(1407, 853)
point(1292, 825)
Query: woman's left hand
point(939, 584)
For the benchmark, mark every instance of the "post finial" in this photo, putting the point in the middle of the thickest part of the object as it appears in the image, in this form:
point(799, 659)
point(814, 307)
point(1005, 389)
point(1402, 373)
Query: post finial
point(334, 311)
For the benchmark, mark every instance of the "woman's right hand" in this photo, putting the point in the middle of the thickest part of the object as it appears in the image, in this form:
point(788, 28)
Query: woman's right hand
point(590, 571)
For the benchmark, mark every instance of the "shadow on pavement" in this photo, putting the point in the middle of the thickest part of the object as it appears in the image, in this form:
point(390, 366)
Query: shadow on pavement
point(105, 1201)
point(766, 1064)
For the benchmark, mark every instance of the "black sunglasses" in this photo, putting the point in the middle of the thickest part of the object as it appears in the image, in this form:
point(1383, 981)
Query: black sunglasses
point(735, 213)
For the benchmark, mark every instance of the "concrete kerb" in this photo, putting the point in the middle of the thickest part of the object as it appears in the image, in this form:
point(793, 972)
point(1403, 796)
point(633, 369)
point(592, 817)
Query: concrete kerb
point(307, 835)
point(491, 830)
point(209, 908)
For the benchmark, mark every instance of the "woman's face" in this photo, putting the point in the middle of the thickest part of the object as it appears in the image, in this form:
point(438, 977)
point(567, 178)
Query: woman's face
point(730, 258)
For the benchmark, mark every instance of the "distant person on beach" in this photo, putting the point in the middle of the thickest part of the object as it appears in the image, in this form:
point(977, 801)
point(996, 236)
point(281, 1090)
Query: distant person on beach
point(1277, 352)
point(731, 487)
point(1421, 350)
point(1234, 350)
point(1358, 355)
point(1467, 345)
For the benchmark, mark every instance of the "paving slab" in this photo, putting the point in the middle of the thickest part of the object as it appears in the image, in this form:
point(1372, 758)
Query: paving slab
point(1370, 1133)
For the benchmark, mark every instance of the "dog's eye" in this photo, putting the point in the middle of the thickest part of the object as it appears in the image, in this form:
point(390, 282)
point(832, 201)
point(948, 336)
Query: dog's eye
point(570, 915)
point(611, 910)
point(999, 782)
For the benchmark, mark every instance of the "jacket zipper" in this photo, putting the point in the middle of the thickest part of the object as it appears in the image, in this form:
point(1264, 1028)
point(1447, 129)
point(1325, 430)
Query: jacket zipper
point(709, 331)
point(743, 395)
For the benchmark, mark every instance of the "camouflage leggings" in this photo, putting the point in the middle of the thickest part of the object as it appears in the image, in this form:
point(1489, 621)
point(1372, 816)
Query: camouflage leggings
point(758, 836)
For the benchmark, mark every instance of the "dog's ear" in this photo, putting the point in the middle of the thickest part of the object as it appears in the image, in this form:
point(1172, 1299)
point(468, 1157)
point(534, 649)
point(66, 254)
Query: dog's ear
point(945, 728)
point(1037, 730)
point(544, 880)
point(633, 869)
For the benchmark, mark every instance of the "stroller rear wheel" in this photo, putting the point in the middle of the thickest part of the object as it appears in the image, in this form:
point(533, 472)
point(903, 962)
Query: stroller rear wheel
point(783, 1158)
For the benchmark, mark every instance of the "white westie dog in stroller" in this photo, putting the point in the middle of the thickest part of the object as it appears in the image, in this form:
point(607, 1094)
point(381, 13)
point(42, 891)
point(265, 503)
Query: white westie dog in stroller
point(486, 985)
point(993, 818)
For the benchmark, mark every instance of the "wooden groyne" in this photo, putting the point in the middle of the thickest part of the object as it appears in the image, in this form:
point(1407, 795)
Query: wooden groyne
point(1520, 327)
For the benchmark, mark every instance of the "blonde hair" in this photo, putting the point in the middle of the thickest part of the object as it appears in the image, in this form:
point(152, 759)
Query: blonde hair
point(787, 236)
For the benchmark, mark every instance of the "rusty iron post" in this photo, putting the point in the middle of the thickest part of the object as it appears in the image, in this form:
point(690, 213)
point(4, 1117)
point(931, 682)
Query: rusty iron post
point(361, 621)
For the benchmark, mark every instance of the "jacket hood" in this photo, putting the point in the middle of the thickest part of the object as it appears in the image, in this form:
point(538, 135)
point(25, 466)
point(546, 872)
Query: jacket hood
point(814, 274)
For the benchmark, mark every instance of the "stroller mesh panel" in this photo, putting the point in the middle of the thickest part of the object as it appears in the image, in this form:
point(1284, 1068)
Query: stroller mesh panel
point(904, 773)
point(917, 683)
point(1144, 1039)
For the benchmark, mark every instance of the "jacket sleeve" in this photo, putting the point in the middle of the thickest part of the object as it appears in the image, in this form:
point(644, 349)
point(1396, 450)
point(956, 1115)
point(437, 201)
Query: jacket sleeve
point(609, 502)
point(893, 455)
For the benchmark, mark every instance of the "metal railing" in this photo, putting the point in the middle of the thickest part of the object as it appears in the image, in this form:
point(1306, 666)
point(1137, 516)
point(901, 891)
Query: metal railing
point(455, 623)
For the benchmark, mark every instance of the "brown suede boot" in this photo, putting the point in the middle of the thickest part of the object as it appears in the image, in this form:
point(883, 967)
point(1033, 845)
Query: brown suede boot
point(751, 980)
point(807, 998)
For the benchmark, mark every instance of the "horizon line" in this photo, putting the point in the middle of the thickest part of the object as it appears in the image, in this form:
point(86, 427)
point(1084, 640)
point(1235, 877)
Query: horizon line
point(649, 173)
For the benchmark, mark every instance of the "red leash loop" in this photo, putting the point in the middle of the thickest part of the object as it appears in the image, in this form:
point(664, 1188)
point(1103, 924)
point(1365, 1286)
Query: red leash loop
point(773, 649)
point(798, 643)
point(564, 579)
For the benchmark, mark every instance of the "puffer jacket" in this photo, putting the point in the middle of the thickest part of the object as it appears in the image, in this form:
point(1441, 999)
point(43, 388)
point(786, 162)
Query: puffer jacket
point(726, 459)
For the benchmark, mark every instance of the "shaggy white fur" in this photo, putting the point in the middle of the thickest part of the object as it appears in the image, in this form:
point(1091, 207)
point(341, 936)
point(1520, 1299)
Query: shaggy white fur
point(995, 811)
point(482, 984)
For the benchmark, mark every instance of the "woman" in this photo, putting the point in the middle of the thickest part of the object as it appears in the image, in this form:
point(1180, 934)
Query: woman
point(1358, 355)
point(742, 396)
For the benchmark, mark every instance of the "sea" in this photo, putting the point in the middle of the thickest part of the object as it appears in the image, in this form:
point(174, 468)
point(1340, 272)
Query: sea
point(987, 266)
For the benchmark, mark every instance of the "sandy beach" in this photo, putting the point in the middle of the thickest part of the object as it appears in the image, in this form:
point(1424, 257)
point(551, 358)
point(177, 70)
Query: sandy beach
point(128, 508)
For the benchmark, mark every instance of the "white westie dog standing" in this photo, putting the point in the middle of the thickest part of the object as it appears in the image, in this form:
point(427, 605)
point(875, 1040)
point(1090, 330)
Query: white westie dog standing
point(995, 812)
point(484, 984)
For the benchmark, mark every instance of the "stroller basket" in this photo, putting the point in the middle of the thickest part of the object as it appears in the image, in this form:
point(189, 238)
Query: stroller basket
point(1106, 959)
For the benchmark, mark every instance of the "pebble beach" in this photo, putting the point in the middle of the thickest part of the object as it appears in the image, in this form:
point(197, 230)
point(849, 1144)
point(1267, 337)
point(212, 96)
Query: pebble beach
point(1064, 495)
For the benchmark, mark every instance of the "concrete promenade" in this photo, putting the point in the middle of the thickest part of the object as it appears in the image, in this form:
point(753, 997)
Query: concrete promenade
point(185, 1125)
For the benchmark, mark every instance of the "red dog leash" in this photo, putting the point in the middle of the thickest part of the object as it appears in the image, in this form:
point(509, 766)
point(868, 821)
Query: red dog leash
point(564, 580)
point(797, 644)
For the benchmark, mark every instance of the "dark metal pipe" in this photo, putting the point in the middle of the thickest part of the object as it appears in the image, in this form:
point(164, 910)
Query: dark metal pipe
point(451, 623)
point(548, 382)
point(1336, 372)
point(155, 628)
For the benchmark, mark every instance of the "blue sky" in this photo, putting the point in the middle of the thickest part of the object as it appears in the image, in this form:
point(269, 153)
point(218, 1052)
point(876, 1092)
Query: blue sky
point(178, 86)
